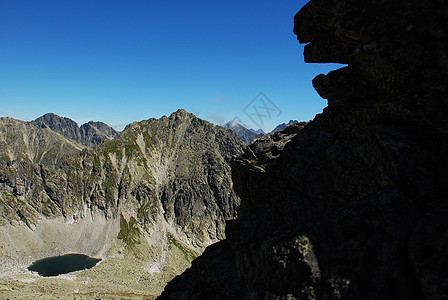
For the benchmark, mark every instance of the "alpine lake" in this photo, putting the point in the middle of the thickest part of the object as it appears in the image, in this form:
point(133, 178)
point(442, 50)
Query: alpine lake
point(57, 265)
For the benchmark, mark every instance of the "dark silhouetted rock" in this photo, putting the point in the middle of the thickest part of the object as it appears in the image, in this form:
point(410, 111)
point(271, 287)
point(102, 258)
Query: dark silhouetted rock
point(354, 206)
point(213, 276)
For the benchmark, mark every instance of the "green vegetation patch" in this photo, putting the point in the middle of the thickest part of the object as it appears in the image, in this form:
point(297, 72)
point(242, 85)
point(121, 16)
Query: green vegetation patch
point(129, 232)
point(189, 254)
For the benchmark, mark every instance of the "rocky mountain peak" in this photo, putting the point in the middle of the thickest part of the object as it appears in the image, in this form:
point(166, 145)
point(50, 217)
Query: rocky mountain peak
point(64, 126)
point(89, 134)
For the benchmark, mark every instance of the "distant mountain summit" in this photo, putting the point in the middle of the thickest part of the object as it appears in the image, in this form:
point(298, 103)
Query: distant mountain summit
point(94, 133)
point(246, 134)
point(64, 126)
point(259, 131)
point(284, 125)
point(89, 134)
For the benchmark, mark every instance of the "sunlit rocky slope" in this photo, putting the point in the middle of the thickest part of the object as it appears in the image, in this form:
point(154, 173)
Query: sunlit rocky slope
point(156, 194)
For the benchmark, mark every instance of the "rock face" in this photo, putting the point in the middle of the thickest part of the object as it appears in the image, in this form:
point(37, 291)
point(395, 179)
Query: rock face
point(354, 205)
point(24, 151)
point(89, 134)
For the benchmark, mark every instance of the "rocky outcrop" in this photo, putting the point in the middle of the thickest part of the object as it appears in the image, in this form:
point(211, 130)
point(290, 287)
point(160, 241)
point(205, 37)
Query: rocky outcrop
point(354, 205)
point(89, 134)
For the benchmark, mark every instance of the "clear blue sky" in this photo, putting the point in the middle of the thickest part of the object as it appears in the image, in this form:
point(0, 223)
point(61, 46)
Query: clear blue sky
point(124, 61)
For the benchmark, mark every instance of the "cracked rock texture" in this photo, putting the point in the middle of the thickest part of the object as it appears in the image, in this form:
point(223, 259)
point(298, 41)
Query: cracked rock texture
point(354, 205)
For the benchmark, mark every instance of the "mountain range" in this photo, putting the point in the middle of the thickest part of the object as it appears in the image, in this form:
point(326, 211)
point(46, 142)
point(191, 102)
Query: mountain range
point(351, 205)
point(284, 125)
point(248, 135)
point(160, 190)
point(89, 134)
